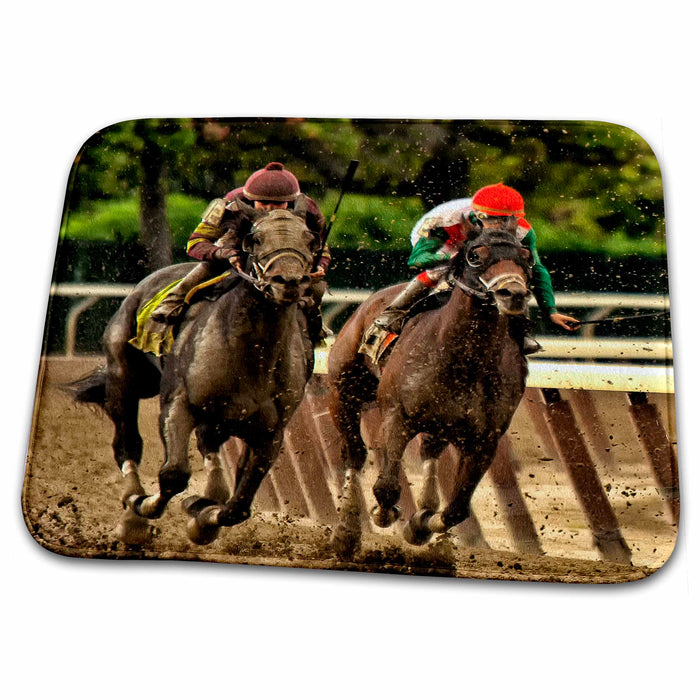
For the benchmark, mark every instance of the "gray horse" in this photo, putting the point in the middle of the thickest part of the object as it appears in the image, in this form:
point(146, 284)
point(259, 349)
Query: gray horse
point(238, 367)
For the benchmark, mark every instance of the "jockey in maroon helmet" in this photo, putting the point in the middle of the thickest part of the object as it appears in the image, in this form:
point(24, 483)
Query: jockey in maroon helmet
point(217, 240)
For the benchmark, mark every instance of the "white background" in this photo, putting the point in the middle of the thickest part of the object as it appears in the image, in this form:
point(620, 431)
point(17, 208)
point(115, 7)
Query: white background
point(86, 629)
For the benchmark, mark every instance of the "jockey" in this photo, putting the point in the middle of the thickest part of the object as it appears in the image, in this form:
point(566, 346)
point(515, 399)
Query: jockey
point(439, 235)
point(217, 240)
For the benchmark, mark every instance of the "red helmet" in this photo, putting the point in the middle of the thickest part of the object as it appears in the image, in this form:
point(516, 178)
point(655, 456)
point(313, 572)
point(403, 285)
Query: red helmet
point(499, 200)
point(271, 184)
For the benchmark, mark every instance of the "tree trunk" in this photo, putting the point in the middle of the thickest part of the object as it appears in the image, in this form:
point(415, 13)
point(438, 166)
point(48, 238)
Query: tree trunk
point(155, 231)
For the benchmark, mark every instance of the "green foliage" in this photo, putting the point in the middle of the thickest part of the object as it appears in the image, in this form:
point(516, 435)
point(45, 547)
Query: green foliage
point(372, 222)
point(587, 185)
point(118, 220)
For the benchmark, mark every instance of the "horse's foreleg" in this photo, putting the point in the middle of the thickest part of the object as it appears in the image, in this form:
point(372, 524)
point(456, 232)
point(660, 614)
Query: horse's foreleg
point(207, 516)
point(430, 450)
point(475, 459)
point(257, 461)
point(209, 441)
point(176, 425)
point(394, 437)
point(417, 530)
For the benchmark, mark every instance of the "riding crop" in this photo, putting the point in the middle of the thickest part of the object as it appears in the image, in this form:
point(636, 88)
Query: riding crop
point(617, 319)
point(347, 180)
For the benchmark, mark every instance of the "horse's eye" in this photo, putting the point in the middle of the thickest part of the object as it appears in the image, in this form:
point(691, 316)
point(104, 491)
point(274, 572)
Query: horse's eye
point(478, 256)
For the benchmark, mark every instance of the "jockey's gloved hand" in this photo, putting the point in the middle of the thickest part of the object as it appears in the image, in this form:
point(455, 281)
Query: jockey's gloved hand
point(568, 323)
point(230, 254)
point(318, 273)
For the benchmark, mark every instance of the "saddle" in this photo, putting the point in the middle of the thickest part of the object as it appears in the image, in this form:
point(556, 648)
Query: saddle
point(157, 338)
point(378, 342)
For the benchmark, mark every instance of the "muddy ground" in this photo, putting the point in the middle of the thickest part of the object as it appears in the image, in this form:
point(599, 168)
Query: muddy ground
point(72, 507)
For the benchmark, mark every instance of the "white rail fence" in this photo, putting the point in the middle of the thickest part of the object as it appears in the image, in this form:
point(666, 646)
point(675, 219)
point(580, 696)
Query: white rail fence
point(583, 346)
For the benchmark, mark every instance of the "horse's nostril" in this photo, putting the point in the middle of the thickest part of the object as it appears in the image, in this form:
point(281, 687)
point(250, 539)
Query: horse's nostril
point(505, 293)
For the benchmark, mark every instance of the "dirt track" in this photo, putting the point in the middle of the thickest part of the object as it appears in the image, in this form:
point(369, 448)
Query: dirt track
point(71, 504)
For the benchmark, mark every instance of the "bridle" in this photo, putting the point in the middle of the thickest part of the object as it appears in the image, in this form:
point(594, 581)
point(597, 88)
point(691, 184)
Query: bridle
point(486, 296)
point(487, 290)
point(261, 269)
point(260, 264)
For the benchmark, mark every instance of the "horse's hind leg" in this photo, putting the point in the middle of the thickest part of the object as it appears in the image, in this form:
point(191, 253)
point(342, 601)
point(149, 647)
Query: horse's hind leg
point(128, 448)
point(123, 390)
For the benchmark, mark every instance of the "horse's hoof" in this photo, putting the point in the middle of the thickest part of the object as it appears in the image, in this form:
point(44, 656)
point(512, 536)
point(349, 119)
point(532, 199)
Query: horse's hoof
point(201, 534)
point(194, 505)
point(417, 531)
point(133, 530)
point(345, 544)
point(384, 517)
point(199, 531)
point(131, 486)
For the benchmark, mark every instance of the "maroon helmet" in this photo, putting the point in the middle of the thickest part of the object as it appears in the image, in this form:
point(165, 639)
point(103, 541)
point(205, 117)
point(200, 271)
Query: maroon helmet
point(271, 184)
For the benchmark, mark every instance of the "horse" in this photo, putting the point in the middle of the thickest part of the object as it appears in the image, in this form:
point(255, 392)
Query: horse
point(456, 374)
point(238, 367)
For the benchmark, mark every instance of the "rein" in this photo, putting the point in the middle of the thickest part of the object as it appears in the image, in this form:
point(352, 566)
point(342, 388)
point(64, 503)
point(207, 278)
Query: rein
point(472, 292)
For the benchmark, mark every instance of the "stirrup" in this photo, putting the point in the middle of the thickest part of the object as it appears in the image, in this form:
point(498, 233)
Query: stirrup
point(375, 342)
point(391, 320)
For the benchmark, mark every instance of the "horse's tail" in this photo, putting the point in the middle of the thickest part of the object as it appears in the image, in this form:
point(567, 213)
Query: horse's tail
point(90, 388)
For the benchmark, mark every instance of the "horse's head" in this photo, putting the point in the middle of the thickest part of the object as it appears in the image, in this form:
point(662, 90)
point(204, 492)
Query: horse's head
point(281, 250)
point(495, 266)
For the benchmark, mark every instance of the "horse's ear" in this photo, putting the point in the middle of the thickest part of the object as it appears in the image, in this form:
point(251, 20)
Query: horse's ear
point(472, 226)
point(250, 212)
point(301, 206)
point(511, 225)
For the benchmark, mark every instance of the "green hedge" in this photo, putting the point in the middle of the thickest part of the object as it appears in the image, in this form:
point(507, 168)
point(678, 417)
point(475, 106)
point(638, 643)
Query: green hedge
point(118, 220)
point(364, 222)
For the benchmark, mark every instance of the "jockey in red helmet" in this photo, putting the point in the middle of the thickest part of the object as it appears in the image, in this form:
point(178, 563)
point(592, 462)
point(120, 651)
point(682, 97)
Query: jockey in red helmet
point(439, 235)
point(217, 240)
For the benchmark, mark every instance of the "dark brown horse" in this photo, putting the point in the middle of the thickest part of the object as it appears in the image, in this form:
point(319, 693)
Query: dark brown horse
point(456, 374)
point(238, 367)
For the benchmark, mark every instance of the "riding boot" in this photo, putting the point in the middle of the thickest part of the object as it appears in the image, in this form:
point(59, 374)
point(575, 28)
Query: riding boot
point(173, 305)
point(530, 345)
point(314, 324)
point(394, 316)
